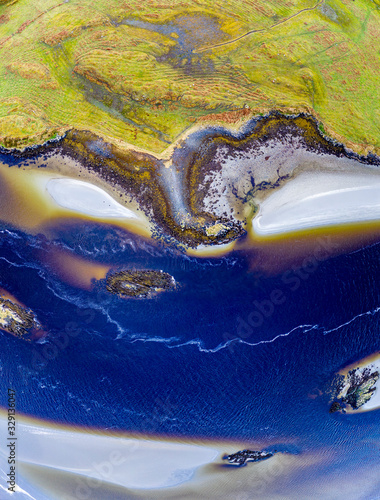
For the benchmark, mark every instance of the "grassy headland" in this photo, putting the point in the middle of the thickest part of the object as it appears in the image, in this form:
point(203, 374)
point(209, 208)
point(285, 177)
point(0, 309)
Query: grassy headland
point(141, 73)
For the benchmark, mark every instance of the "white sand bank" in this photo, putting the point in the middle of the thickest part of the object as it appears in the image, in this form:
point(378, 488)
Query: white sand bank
point(128, 462)
point(78, 464)
point(36, 199)
point(317, 199)
point(86, 198)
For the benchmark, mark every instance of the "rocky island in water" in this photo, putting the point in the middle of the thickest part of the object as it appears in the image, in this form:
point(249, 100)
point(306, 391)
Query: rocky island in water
point(241, 458)
point(139, 283)
point(18, 320)
point(357, 390)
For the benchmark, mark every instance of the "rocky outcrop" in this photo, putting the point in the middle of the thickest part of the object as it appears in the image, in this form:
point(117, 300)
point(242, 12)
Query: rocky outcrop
point(17, 320)
point(139, 283)
point(355, 389)
point(241, 458)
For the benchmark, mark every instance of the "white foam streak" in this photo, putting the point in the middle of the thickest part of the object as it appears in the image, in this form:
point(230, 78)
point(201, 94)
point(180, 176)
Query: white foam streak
point(367, 313)
point(199, 343)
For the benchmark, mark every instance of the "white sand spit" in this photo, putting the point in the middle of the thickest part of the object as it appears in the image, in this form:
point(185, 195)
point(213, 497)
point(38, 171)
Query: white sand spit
point(317, 199)
point(127, 462)
point(86, 198)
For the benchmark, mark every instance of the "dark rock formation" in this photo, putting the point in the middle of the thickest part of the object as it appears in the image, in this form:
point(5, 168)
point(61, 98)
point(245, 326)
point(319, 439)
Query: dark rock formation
point(17, 320)
point(361, 388)
point(242, 457)
point(335, 407)
point(138, 283)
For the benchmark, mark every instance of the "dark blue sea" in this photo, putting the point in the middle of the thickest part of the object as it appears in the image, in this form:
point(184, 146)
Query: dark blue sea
point(188, 362)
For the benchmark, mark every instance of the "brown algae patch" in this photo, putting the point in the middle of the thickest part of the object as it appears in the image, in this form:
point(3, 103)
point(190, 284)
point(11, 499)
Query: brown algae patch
point(207, 193)
point(230, 174)
point(72, 269)
point(135, 176)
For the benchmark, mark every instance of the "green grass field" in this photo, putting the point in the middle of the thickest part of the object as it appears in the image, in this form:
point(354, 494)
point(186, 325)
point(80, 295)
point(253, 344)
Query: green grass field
point(141, 73)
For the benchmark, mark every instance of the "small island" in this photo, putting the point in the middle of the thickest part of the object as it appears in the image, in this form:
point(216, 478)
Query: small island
point(356, 389)
point(241, 458)
point(17, 320)
point(139, 283)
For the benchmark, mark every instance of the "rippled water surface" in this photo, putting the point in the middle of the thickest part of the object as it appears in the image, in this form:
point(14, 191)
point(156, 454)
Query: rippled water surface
point(231, 353)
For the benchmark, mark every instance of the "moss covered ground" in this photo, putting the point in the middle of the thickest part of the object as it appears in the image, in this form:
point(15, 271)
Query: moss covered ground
point(141, 73)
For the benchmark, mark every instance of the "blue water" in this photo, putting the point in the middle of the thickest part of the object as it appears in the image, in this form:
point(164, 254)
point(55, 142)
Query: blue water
point(181, 363)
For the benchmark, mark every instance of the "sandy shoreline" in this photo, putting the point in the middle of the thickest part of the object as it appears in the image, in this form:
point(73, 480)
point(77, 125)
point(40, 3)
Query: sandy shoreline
point(86, 198)
point(32, 198)
point(296, 186)
point(69, 463)
point(106, 464)
point(317, 199)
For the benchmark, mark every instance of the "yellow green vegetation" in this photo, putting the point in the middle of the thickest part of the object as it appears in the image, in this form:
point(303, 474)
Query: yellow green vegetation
point(143, 72)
